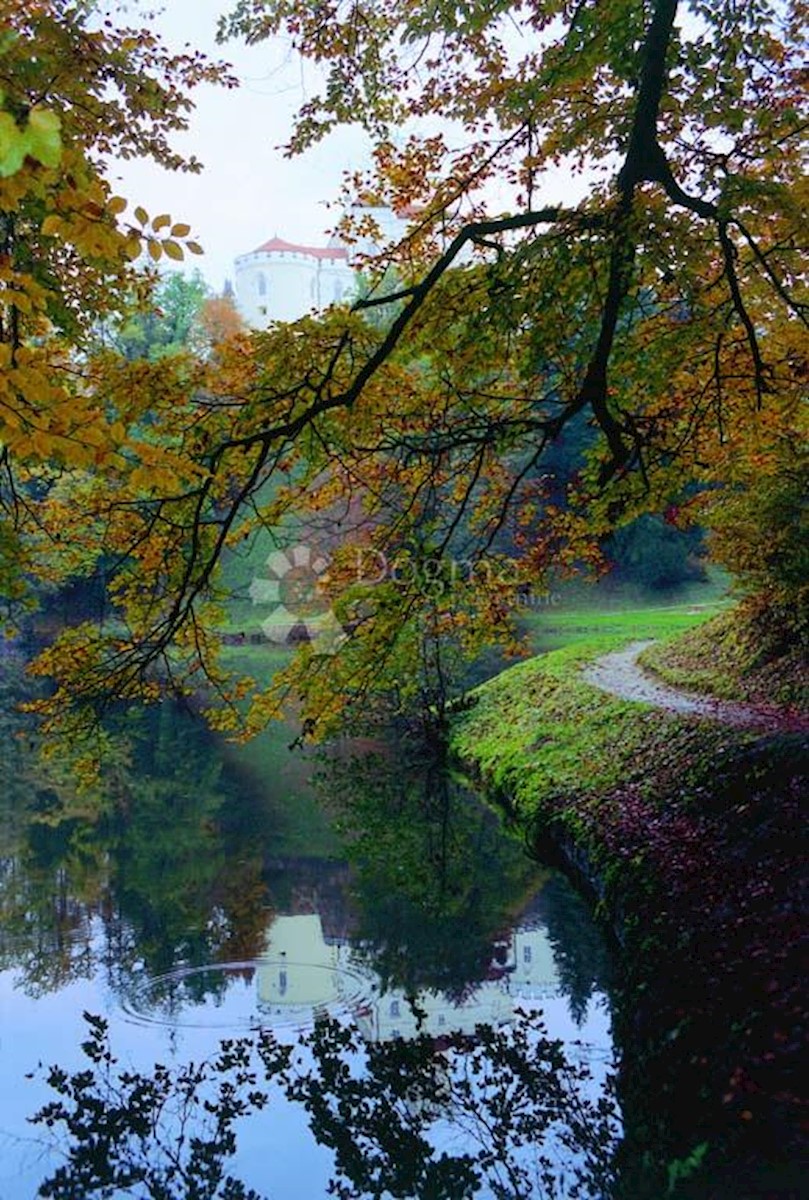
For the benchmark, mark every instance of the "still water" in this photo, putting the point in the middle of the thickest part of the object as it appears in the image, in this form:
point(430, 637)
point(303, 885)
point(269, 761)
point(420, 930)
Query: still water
point(423, 1009)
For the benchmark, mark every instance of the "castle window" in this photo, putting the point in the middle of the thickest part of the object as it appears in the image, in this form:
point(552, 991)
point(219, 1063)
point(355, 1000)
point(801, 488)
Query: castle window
point(262, 285)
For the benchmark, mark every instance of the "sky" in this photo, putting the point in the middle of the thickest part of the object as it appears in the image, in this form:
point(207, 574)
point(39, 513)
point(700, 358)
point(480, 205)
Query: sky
point(248, 191)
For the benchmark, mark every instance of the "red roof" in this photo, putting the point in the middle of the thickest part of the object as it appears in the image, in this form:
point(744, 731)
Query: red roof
point(277, 245)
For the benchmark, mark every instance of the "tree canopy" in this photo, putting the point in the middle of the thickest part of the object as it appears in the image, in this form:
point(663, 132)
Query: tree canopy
point(664, 307)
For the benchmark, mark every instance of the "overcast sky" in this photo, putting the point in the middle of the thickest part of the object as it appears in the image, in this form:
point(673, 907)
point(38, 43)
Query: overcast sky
point(248, 191)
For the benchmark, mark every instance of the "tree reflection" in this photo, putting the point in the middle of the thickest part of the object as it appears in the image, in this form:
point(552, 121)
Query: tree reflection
point(436, 879)
point(138, 868)
point(503, 1113)
point(579, 951)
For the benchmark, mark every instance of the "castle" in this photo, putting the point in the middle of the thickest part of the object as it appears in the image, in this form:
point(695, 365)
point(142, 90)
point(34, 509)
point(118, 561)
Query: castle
point(281, 281)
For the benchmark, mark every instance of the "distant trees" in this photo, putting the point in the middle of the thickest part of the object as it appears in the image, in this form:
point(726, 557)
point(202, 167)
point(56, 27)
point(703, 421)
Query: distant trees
point(180, 314)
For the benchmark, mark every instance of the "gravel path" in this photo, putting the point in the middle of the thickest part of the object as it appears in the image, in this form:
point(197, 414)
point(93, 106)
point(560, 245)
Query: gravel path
point(620, 674)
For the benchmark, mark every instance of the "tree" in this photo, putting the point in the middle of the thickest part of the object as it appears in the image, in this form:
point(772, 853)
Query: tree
point(219, 319)
point(166, 322)
point(664, 308)
point(76, 93)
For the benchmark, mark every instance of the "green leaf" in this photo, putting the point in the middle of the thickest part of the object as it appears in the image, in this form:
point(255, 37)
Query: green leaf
point(44, 137)
point(12, 146)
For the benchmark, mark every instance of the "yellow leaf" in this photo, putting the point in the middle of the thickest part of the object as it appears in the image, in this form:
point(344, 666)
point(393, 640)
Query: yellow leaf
point(41, 443)
point(12, 145)
point(44, 139)
point(116, 205)
point(141, 479)
point(52, 224)
point(160, 222)
point(154, 249)
point(180, 230)
point(174, 251)
point(141, 215)
point(194, 247)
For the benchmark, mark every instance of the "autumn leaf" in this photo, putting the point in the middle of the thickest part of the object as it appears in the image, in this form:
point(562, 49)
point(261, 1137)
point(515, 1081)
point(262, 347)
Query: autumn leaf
point(173, 250)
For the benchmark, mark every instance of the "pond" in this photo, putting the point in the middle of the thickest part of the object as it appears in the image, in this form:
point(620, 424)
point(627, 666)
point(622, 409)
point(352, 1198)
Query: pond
point(421, 1009)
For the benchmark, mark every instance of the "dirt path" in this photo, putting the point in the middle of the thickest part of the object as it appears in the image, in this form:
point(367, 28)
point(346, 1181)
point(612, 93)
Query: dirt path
point(620, 674)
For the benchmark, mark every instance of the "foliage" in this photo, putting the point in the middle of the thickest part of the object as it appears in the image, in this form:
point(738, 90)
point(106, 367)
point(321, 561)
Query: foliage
point(662, 312)
point(654, 554)
point(68, 261)
point(760, 532)
point(514, 1094)
point(166, 322)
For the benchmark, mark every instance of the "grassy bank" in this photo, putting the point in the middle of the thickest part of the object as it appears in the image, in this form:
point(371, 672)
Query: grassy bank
point(691, 833)
point(727, 657)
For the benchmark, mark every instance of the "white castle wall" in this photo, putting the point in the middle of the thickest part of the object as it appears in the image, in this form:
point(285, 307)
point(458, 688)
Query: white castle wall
point(283, 284)
point(281, 281)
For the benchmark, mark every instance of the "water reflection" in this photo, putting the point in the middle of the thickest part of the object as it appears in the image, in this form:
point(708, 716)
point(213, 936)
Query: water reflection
point(197, 892)
point(500, 1113)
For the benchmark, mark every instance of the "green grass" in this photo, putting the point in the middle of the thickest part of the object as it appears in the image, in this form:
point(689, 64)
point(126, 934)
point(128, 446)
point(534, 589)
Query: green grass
point(260, 660)
point(539, 733)
point(554, 629)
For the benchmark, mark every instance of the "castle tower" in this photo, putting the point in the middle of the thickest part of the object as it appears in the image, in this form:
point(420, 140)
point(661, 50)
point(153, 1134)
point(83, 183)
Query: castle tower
point(281, 281)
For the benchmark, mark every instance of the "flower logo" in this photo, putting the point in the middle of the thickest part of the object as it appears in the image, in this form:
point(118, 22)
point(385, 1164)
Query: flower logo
point(299, 610)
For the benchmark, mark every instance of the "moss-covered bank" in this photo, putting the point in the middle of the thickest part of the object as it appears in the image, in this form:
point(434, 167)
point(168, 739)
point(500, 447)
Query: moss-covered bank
point(690, 834)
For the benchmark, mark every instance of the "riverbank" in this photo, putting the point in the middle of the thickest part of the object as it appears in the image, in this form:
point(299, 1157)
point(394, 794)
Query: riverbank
point(689, 832)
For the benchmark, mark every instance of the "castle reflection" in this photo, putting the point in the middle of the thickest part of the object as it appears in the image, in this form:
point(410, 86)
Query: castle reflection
point(304, 973)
